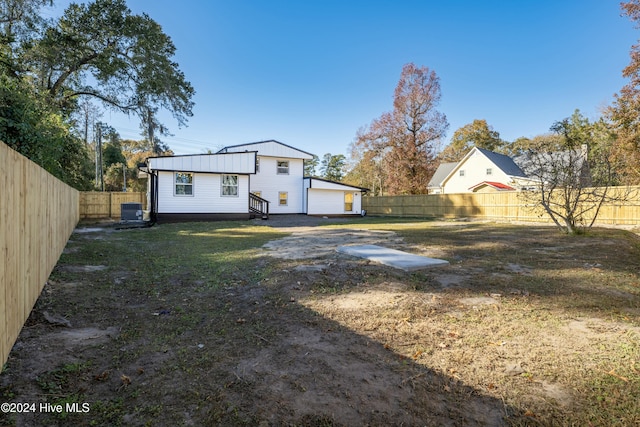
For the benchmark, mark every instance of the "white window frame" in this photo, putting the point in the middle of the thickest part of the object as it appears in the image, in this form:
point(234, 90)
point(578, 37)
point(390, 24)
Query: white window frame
point(282, 170)
point(461, 172)
point(257, 164)
point(182, 184)
point(489, 171)
point(224, 184)
point(280, 198)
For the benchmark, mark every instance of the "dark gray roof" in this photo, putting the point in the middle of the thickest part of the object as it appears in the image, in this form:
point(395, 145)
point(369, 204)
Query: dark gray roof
point(443, 171)
point(549, 166)
point(505, 163)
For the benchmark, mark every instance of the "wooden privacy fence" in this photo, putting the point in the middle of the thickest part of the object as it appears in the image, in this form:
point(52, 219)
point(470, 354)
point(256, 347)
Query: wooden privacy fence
point(94, 204)
point(508, 205)
point(38, 213)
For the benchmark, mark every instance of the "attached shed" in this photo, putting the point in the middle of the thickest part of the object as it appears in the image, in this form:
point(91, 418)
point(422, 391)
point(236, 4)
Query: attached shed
point(205, 186)
point(323, 197)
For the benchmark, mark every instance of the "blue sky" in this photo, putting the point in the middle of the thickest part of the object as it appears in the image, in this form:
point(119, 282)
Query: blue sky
point(311, 73)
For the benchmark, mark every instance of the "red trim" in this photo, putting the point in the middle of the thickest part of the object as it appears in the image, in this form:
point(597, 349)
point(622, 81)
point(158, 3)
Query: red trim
point(496, 185)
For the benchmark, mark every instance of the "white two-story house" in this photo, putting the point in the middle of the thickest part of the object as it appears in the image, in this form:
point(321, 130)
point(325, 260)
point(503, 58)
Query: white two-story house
point(479, 171)
point(241, 181)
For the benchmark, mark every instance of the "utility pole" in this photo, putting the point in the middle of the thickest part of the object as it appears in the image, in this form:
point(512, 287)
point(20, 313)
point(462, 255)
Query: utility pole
point(124, 177)
point(99, 171)
point(95, 133)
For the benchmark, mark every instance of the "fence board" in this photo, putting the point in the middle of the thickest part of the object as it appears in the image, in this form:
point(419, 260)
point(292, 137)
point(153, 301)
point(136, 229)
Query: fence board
point(37, 215)
point(94, 205)
point(507, 205)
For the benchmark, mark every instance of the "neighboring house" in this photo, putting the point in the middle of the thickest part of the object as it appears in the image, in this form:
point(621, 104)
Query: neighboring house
point(568, 167)
point(479, 171)
point(436, 185)
point(240, 181)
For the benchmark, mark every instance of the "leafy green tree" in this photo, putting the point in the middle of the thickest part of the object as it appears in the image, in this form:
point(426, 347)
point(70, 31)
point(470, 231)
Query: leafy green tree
point(332, 167)
point(476, 134)
point(20, 23)
point(311, 165)
point(102, 50)
point(97, 50)
point(112, 154)
point(517, 147)
point(35, 129)
point(365, 169)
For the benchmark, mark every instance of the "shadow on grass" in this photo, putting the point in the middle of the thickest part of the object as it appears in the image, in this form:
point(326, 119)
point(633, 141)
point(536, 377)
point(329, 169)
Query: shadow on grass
point(209, 335)
point(202, 342)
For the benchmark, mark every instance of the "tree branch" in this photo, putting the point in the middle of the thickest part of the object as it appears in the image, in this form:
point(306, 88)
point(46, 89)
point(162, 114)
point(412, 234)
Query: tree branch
point(65, 75)
point(101, 97)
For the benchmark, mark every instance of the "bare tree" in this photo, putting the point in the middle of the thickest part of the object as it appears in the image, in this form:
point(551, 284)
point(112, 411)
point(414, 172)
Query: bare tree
point(563, 176)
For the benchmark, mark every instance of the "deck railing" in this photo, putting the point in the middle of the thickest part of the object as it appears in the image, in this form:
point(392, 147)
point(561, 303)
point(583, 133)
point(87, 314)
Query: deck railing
point(258, 205)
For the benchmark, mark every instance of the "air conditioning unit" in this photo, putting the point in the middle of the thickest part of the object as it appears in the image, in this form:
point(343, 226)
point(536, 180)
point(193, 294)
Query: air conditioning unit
point(131, 211)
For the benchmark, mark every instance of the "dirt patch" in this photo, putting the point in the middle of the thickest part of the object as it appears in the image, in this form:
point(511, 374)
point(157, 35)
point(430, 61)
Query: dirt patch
point(313, 242)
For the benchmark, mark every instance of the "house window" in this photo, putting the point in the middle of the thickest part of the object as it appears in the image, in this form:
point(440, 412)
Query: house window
point(348, 202)
point(257, 164)
point(283, 167)
point(283, 198)
point(257, 193)
point(462, 172)
point(489, 171)
point(184, 184)
point(229, 185)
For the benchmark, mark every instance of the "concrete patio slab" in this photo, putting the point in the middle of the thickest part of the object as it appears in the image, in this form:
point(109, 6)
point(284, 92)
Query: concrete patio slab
point(391, 257)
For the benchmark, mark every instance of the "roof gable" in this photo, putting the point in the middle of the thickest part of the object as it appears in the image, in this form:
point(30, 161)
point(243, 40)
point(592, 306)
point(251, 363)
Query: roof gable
point(241, 163)
point(270, 148)
point(505, 163)
point(443, 171)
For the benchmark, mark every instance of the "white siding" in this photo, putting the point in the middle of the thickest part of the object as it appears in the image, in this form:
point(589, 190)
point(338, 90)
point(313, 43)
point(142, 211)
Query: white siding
point(317, 183)
point(221, 163)
point(331, 202)
point(207, 195)
point(269, 184)
point(475, 171)
point(271, 149)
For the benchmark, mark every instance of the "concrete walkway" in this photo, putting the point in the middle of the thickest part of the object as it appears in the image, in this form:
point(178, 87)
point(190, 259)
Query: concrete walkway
point(391, 257)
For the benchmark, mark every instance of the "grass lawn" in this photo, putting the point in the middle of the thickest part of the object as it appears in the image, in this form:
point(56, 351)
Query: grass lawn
point(197, 324)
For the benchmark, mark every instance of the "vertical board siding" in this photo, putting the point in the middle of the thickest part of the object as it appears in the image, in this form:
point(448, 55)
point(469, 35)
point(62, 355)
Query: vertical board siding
point(37, 215)
point(504, 205)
